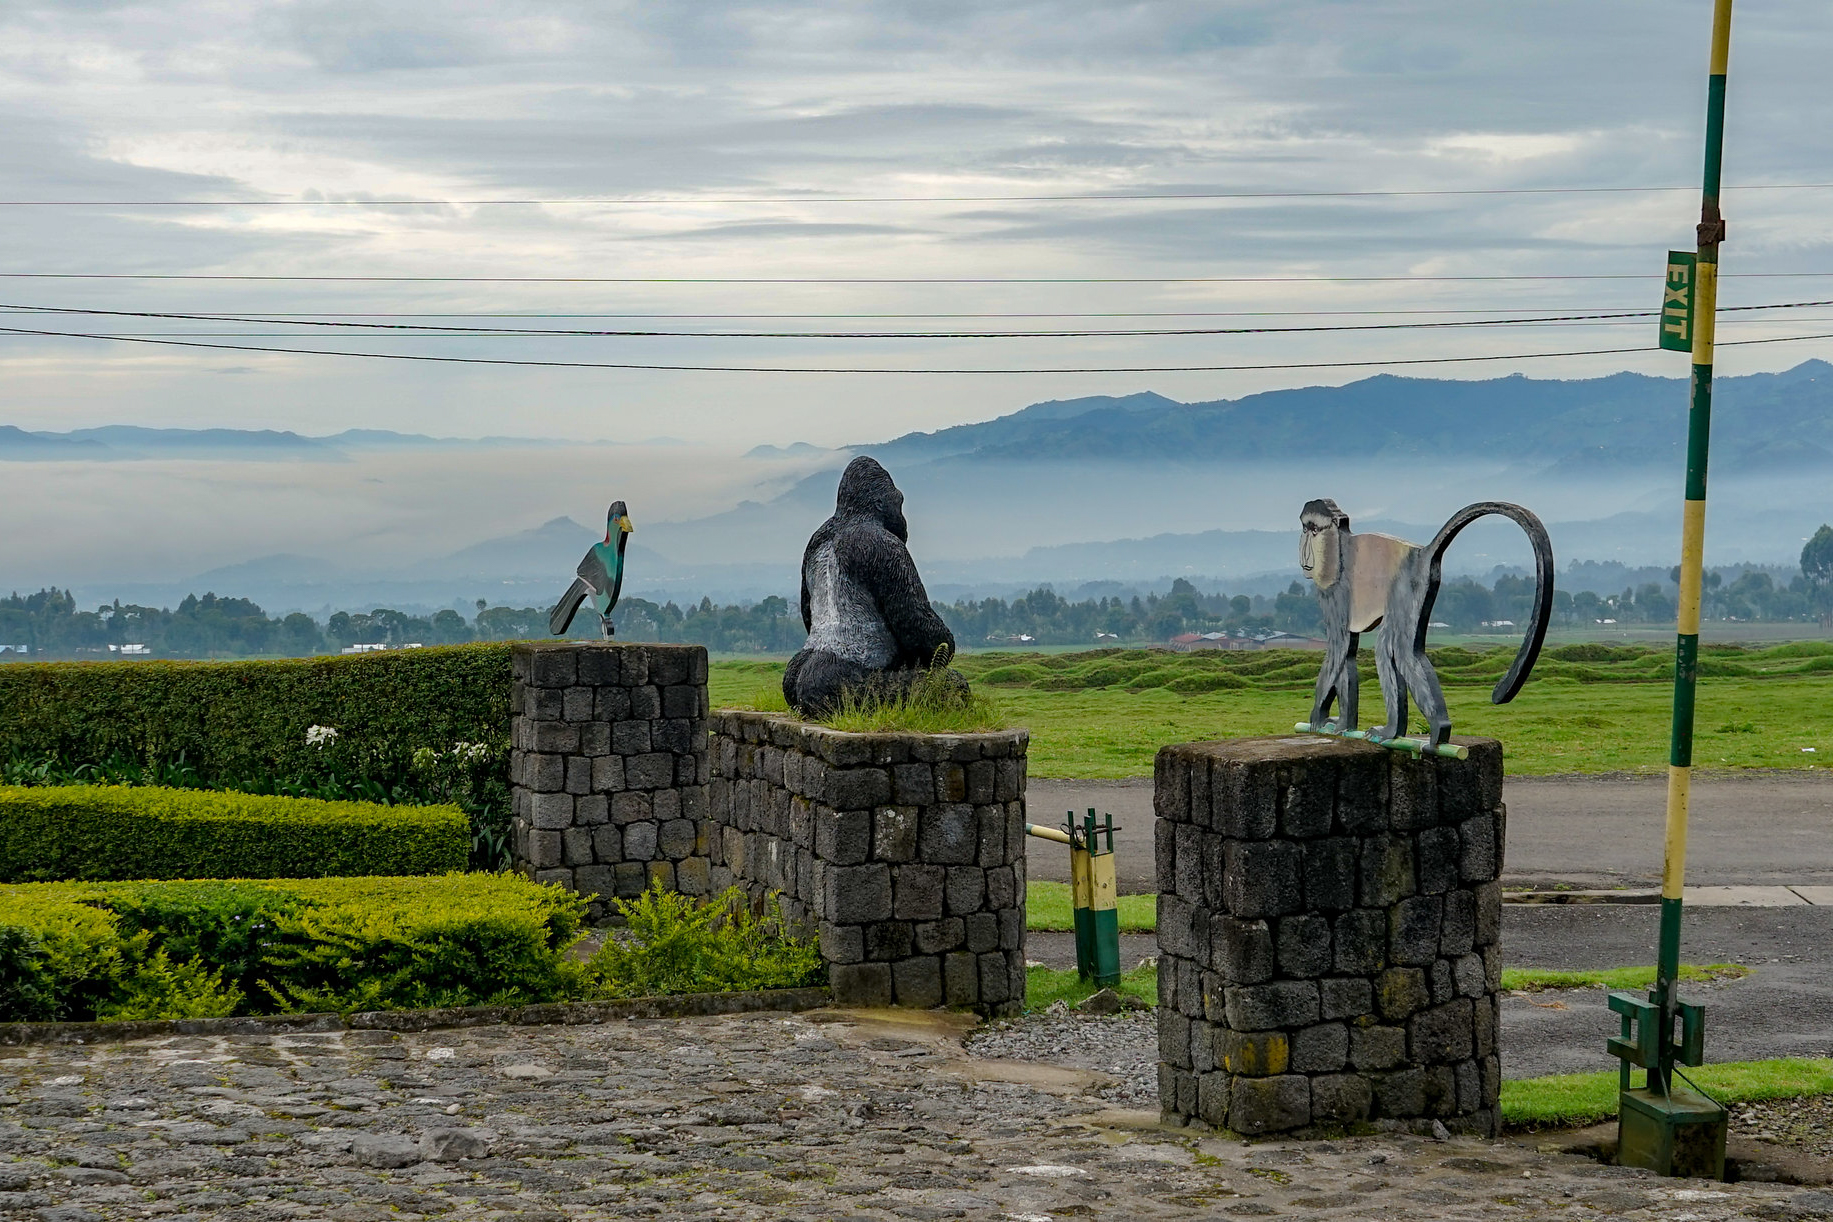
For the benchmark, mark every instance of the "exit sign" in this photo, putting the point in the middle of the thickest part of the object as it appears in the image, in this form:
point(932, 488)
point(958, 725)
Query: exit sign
point(1677, 301)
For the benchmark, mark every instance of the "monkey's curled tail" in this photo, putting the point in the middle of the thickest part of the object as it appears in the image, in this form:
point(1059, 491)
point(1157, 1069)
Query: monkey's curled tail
point(1517, 675)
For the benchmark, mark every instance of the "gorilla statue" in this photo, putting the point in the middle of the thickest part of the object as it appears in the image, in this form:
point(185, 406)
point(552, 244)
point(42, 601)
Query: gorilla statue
point(870, 626)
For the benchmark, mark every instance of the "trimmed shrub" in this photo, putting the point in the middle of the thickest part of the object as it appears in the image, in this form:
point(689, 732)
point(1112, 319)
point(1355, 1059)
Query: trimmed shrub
point(114, 832)
point(197, 949)
point(243, 720)
point(81, 951)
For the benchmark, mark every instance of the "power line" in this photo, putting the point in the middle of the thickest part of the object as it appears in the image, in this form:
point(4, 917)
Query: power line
point(440, 334)
point(792, 369)
point(312, 314)
point(1086, 333)
point(596, 201)
point(212, 276)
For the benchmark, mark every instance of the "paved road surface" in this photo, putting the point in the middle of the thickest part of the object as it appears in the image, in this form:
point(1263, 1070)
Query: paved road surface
point(1780, 1009)
point(1747, 829)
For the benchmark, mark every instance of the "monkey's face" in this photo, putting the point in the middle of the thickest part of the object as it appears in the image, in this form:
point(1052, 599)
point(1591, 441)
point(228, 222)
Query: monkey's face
point(1319, 549)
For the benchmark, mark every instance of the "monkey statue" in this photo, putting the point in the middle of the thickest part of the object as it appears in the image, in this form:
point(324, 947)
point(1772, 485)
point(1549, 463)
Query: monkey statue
point(870, 625)
point(1371, 580)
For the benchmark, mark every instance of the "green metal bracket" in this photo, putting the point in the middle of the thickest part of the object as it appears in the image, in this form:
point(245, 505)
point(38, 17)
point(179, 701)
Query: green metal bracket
point(1662, 1126)
point(1692, 1047)
point(1640, 1042)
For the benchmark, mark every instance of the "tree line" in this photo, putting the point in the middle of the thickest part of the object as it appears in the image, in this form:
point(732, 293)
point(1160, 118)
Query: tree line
point(50, 624)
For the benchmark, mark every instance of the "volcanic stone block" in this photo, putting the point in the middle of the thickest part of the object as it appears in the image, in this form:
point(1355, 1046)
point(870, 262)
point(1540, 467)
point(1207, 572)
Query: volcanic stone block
point(1328, 916)
point(586, 753)
point(1263, 878)
point(1304, 946)
point(1267, 1105)
point(1330, 874)
point(903, 849)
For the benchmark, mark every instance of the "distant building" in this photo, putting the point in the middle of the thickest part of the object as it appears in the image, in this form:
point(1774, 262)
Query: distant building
point(15, 649)
point(131, 651)
point(1020, 638)
point(377, 647)
point(1197, 642)
point(1498, 623)
point(1106, 636)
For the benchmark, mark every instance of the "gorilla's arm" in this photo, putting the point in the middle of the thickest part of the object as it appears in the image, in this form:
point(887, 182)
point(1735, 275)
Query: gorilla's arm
point(883, 566)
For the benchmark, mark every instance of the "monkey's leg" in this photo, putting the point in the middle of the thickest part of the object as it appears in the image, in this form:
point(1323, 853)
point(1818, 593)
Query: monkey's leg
point(1393, 685)
point(1424, 682)
point(1336, 680)
point(1328, 679)
point(1349, 685)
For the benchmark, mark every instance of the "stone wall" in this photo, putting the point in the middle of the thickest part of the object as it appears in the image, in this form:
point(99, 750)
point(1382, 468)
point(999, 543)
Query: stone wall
point(609, 766)
point(1328, 922)
point(904, 853)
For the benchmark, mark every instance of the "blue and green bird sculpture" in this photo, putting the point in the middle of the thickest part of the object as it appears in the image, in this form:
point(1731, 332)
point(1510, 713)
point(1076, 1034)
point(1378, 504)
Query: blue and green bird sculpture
point(601, 577)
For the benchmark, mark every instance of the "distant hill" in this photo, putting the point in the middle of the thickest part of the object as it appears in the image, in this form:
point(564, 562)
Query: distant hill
point(1623, 420)
point(126, 442)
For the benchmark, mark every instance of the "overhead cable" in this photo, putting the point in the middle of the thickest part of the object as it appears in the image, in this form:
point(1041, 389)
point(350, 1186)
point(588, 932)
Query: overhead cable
point(604, 201)
point(1088, 333)
point(916, 372)
point(227, 276)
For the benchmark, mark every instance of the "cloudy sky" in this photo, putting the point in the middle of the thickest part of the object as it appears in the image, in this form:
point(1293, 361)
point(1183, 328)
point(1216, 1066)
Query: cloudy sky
point(744, 127)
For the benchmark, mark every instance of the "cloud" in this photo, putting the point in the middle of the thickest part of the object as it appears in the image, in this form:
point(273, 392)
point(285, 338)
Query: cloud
point(368, 100)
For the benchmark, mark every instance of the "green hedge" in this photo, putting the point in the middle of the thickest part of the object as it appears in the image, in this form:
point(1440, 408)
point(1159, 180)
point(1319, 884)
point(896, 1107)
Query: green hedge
point(239, 720)
point(116, 832)
point(81, 951)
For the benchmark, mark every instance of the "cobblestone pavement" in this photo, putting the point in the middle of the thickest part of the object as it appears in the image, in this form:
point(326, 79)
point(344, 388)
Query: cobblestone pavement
point(828, 1115)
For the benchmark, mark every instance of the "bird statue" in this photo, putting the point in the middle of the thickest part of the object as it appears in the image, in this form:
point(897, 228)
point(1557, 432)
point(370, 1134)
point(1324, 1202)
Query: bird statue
point(601, 576)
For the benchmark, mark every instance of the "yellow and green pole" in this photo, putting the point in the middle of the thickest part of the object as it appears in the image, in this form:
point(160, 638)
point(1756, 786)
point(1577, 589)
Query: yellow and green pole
point(1671, 1130)
point(1711, 233)
point(1093, 894)
point(1103, 910)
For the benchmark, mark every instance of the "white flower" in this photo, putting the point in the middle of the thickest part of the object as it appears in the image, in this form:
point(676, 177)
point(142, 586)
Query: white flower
point(319, 736)
point(467, 752)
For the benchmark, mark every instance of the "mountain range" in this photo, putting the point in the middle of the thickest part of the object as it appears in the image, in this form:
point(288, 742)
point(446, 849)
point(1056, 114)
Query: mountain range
point(123, 442)
point(1136, 489)
point(1763, 421)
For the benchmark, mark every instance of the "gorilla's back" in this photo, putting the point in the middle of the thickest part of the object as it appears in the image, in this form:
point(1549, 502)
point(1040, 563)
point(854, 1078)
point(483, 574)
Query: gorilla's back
point(843, 617)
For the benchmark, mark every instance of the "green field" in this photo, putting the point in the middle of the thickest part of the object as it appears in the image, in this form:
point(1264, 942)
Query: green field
point(1589, 708)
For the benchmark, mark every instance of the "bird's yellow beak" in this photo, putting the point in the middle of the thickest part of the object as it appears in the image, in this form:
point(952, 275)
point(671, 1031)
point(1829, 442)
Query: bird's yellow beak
point(623, 524)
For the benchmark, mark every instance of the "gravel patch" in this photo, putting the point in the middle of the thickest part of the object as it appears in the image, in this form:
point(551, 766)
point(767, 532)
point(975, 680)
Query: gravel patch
point(1124, 1045)
point(1805, 1125)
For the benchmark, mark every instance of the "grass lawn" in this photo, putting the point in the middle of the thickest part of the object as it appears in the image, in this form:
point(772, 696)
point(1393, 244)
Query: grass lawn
point(1570, 1100)
point(1536, 980)
point(1044, 986)
point(1048, 908)
point(1557, 725)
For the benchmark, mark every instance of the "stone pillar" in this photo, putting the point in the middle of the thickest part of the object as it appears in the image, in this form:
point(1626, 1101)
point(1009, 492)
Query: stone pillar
point(903, 853)
point(609, 766)
point(1328, 922)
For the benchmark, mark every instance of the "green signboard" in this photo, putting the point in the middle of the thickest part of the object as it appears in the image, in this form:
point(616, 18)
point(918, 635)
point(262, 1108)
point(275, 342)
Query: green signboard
point(1677, 302)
